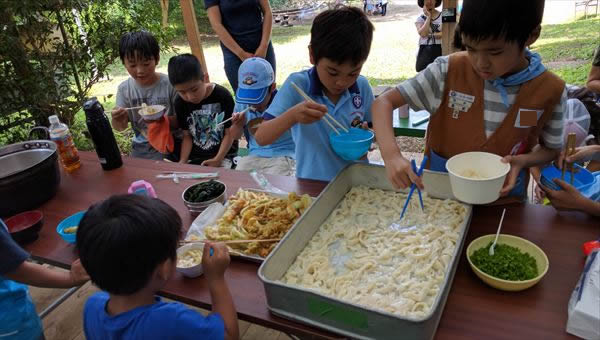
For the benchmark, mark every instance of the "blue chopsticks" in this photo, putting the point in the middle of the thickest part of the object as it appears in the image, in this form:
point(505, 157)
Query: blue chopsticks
point(413, 186)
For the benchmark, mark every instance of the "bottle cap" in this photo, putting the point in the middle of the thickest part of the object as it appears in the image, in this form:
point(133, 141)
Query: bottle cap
point(588, 247)
point(53, 119)
point(93, 108)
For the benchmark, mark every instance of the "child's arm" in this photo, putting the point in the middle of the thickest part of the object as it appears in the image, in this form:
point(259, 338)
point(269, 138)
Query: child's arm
point(214, 271)
point(186, 147)
point(593, 82)
point(397, 167)
point(304, 112)
point(37, 275)
point(569, 198)
point(226, 143)
point(538, 156)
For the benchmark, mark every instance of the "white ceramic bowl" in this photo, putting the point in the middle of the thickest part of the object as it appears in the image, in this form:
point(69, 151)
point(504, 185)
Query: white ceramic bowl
point(156, 112)
point(477, 177)
point(193, 271)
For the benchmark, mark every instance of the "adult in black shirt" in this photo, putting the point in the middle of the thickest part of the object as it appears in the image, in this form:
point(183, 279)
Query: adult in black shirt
point(244, 28)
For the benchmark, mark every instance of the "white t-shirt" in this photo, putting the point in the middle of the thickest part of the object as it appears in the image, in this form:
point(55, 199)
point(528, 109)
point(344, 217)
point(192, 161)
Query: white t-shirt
point(436, 28)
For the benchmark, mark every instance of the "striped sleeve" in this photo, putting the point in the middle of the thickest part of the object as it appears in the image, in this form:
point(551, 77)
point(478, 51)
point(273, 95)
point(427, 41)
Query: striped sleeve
point(425, 90)
point(553, 133)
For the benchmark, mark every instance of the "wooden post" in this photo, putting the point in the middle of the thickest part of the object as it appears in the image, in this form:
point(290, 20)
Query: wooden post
point(448, 29)
point(191, 29)
point(164, 5)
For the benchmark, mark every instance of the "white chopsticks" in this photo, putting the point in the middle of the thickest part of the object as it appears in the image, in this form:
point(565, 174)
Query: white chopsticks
point(230, 118)
point(327, 115)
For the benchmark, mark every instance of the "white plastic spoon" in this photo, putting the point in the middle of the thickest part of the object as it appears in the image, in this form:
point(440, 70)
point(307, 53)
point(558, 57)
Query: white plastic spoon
point(497, 233)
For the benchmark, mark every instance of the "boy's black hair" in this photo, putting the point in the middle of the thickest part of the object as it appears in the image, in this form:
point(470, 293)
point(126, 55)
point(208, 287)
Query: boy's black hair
point(123, 239)
point(421, 3)
point(183, 68)
point(342, 35)
point(141, 43)
point(510, 20)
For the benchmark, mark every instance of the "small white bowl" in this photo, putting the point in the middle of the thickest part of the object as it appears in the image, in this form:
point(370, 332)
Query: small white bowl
point(157, 112)
point(193, 271)
point(483, 189)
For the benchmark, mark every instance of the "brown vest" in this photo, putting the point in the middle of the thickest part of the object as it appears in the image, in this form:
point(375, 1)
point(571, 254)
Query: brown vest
point(448, 136)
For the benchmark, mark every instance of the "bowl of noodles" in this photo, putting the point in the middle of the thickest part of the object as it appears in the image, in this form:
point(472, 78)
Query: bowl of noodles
point(152, 112)
point(477, 177)
point(189, 259)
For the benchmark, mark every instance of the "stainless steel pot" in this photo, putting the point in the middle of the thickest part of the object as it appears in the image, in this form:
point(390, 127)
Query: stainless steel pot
point(29, 175)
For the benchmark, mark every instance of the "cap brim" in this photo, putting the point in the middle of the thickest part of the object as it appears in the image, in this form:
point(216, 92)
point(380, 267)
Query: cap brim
point(251, 96)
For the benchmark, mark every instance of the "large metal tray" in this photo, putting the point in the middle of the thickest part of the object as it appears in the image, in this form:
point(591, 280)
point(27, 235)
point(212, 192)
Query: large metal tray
point(338, 316)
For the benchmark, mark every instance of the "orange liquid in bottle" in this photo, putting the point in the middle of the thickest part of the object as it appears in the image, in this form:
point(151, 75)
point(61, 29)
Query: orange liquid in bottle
point(67, 152)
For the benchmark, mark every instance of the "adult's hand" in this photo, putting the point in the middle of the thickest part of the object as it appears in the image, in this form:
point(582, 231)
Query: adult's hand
point(244, 55)
point(261, 52)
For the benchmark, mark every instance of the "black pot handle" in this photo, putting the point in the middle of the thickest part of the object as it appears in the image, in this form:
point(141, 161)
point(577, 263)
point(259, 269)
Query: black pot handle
point(43, 128)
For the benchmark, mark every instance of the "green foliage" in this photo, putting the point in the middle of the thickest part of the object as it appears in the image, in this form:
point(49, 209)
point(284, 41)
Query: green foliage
point(53, 51)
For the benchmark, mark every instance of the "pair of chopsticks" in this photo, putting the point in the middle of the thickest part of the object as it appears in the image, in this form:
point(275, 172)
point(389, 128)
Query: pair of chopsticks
point(413, 186)
point(230, 118)
point(569, 150)
point(233, 241)
point(327, 115)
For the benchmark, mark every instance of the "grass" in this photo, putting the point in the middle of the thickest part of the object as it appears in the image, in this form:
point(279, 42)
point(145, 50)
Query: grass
point(570, 47)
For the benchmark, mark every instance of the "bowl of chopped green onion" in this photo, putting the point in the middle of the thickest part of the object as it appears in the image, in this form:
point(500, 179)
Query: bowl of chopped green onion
point(517, 264)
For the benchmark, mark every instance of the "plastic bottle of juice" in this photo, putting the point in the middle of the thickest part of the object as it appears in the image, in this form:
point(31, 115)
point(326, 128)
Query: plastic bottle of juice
point(60, 134)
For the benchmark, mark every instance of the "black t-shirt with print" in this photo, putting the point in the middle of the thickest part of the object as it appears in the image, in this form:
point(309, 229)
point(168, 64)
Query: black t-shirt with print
point(201, 120)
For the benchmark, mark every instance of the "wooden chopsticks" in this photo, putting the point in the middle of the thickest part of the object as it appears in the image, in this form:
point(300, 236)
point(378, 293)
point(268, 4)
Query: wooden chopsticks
point(233, 241)
point(569, 150)
point(327, 115)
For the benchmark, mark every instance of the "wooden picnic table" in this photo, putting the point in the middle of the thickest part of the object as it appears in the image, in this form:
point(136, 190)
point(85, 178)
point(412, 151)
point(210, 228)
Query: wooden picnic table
point(473, 310)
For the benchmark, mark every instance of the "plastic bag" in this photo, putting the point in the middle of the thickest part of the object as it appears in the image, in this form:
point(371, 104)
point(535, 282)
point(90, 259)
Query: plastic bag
point(584, 305)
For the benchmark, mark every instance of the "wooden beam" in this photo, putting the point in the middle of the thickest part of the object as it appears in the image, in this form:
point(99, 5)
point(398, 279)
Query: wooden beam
point(193, 36)
point(448, 29)
point(164, 5)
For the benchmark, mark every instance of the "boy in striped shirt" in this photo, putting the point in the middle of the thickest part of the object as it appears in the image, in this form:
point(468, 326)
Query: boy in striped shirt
point(495, 97)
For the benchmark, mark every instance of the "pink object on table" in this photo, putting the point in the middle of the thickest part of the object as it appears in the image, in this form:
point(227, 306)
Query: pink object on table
point(142, 187)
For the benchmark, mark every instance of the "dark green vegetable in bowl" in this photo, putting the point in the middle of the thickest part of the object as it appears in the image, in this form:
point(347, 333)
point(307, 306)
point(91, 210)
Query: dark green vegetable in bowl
point(204, 191)
point(507, 263)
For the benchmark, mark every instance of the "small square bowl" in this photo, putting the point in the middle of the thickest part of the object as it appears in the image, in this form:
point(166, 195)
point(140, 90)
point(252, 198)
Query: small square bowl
point(195, 270)
point(25, 227)
point(71, 221)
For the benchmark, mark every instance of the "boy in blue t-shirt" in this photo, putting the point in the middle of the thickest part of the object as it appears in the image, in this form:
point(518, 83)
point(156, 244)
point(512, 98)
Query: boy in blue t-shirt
point(18, 318)
point(339, 46)
point(256, 89)
point(128, 245)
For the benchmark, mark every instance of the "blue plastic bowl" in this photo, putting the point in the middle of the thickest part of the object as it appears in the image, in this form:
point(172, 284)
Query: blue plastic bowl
point(70, 221)
point(352, 145)
point(582, 178)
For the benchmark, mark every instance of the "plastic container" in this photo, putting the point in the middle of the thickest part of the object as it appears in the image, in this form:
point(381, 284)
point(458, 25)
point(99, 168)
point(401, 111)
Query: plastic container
point(71, 221)
point(142, 187)
point(477, 177)
point(582, 178)
point(60, 134)
point(102, 135)
point(352, 145)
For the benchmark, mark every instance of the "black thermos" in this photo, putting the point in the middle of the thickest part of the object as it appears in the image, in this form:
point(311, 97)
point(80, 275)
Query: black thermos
point(102, 135)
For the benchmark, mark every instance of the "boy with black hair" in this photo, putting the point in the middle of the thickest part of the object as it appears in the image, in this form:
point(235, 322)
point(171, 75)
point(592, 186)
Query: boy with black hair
point(256, 90)
point(339, 46)
point(128, 245)
point(140, 54)
point(495, 97)
point(18, 318)
point(201, 109)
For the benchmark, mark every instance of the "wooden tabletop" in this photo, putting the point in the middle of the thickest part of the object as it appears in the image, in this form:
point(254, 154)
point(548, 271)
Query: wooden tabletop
point(473, 310)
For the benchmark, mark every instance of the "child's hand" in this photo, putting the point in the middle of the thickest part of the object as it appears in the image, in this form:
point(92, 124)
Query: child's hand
point(78, 274)
point(540, 194)
point(118, 113)
point(215, 265)
point(581, 153)
point(308, 112)
point(568, 198)
point(516, 165)
point(400, 173)
point(238, 118)
point(212, 162)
